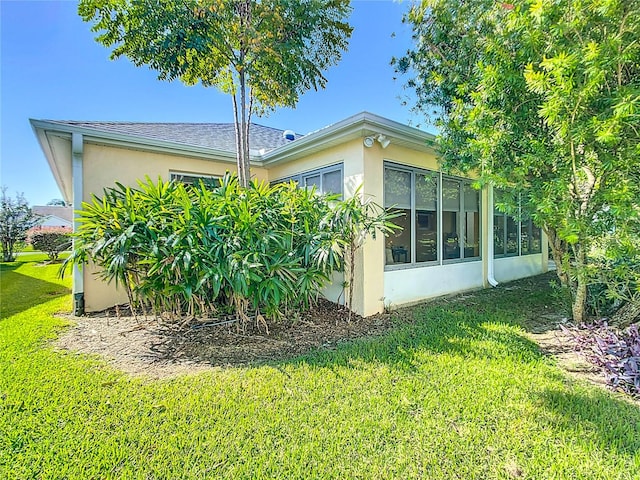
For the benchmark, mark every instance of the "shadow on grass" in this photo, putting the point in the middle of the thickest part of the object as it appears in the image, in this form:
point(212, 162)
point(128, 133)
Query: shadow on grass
point(20, 292)
point(484, 324)
point(615, 422)
point(439, 331)
point(487, 330)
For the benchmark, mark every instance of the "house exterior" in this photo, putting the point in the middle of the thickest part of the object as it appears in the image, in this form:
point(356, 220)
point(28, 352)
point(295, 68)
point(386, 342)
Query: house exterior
point(452, 239)
point(54, 216)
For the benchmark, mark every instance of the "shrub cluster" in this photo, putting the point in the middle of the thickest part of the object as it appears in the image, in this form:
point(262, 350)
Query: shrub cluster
point(51, 240)
point(614, 274)
point(196, 250)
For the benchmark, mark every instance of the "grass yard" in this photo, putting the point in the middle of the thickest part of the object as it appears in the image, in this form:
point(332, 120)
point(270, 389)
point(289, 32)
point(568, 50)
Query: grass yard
point(458, 391)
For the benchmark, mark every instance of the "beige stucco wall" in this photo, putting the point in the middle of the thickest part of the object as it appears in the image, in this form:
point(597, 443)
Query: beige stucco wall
point(369, 275)
point(104, 165)
point(373, 286)
point(409, 157)
point(351, 156)
point(371, 279)
point(362, 167)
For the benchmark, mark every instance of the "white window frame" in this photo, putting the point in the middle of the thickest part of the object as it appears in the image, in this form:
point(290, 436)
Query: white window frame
point(300, 178)
point(439, 210)
point(521, 224)
point(175, 175)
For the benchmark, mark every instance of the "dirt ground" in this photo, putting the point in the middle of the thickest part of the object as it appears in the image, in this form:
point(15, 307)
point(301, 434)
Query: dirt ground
point(554, 342)
point(156, 349)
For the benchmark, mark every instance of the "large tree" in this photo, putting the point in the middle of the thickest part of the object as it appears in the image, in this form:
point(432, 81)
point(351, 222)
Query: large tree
point(264, 53)
point(541, 97)
point(16, 218)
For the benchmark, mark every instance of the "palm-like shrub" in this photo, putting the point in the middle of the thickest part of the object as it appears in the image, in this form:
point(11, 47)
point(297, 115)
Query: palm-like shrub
point(196, 250)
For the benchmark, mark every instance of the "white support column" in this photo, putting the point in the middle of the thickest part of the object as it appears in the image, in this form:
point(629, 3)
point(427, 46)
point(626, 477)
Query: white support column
point(77, 148)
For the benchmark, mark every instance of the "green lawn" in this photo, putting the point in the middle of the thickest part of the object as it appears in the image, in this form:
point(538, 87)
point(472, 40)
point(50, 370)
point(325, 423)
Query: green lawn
point(457, 392)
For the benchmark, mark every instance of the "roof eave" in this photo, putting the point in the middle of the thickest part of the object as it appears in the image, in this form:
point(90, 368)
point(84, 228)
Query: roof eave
point(356, 126)
point(41, 134)
point(102, 137)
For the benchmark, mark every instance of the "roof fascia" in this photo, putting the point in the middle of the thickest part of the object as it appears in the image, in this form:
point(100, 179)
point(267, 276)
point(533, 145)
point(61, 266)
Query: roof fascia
point(359, 125)
point(41, 135)
point(133, 142)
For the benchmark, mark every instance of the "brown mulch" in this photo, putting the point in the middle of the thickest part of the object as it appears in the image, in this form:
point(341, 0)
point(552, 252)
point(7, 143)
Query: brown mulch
point(156, 348)
point(159, 349)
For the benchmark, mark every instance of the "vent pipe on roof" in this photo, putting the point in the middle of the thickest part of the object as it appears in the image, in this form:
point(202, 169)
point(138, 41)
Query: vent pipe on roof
point(289, 135)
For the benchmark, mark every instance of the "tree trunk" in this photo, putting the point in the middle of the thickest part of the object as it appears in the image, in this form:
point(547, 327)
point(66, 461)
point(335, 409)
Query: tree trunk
point(246, 133)
point(626, 315)
point(352, 270)
point(7, 251)
point(243, 167)
point(558, 252)
point(580, 298)
point(579, 302)
point(236, 122)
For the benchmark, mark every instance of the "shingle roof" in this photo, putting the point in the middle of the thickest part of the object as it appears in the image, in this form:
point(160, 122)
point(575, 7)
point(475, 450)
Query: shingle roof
point(66, 213)
point(220, 136)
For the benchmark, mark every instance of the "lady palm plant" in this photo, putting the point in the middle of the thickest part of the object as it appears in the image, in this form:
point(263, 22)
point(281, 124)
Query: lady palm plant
point(355, 219)
point(191, 251)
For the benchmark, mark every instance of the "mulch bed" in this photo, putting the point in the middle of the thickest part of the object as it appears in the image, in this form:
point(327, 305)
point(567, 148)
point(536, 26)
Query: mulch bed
point(157, 348)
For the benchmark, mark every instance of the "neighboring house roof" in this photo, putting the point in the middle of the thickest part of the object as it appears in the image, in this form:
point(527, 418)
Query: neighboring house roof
point(64, 213)
point(216, 136)
point(53, 221)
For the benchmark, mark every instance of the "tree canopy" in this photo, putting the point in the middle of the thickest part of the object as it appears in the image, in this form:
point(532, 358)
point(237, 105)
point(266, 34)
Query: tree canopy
point(16, 218)
point(543, 98)
point(263, 53)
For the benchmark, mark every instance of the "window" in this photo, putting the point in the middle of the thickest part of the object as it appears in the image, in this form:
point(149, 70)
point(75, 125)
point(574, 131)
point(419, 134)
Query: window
point(512, 237)
point(451, 219)
point(471, 222)
point(530, 238)
point(194, 178)
point(426, 217)
point(325, 180)
point(428, 205)
point(460, 220)
point(397, 194)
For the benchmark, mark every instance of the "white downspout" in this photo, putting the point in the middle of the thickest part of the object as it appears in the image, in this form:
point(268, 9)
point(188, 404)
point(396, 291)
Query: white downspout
point(77, 150)
point(489, 238)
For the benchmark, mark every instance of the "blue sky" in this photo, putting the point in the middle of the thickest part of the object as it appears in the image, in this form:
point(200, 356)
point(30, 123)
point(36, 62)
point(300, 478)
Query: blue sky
point(51, 68)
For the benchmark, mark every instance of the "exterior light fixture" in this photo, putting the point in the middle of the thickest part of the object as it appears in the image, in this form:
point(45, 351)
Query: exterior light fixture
point(381, 139)
point(384, 141)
